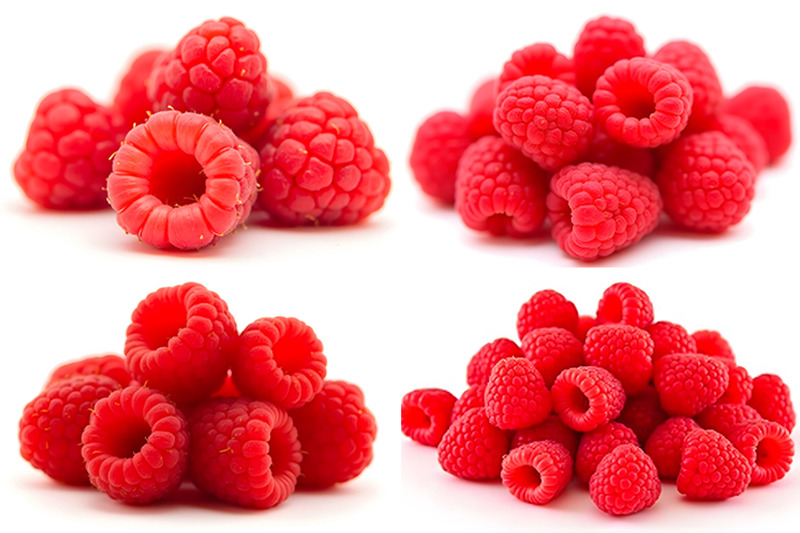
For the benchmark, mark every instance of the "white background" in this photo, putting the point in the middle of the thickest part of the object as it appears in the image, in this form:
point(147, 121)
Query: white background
point(405, 299)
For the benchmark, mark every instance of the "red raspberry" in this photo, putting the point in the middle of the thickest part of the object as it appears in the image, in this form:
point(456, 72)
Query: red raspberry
point(320, 165)
point(136, 445)
point(767, 446)
point(626, 304)
point(425, 415)
point(596, 444)
point(603, 149)
point(546, 308)
point(740, 386)
point(51, 425)
point(665, 445)
point(642, 102)
point(706, 182)
point(481, 109)
point(279, 360)
point(473, 448)
point(65, 161)
point(669, 338)
point(547, 120)
point(711, 467)
point(768, 112)
point(480, 365)
point(182, 180)
point(469, 399)
point(516, 395)
point(282, 98)
point(724, 418)
point(625, 351)
point(585, 323)
point(745, 137)
point(131, 98)
point(552, 429)
point(216, 69)
point(537, 472)
point(109, 365)
point(601, 43)
point(625, 482)
point(537, 58)
point(586, 397)
point(552, 350)
point(180, 341)
point(773, 401)
point(642, 413)
point(244, 452)
point(688, 383)
point(597, 210)
point(710, 342)
point(499, 190)
point(336, 432)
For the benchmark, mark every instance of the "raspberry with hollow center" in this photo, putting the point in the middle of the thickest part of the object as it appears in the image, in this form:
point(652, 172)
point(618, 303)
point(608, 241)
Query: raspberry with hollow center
point(625, 351)
point(516, 395)
point(586, 397)
point(688, 383)
point(711, 467)
point(769, 448)
point(537, 472)
point(767, 110)
point(537, 58)
point(625, 303)
point(625, 482)
point(480, 365)
point(472, 448)
point(425, 415)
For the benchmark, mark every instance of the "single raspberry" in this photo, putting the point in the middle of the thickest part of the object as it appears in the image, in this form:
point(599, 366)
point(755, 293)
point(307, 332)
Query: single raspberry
point(711, 342)
point(642, 102)
point(546, 308)
point(282, 98)
point(669, 338)
point(136, 445)
point(336, 432)
point(585, 323)
point(626, 304)
point(608, 151)
point(537, 472)
point(51, 425)
point(472, 448)
point(547, 120)
point(181, 180)
point(65, 161)
point(552, 350)
point(473, 397)
point(586, 397)
point(706, 182)
point(665, 445)
point(745, 137)
point(724, 418)
point(596, 210)
point(425, 415)
point(625, 351)
point(601, 43)
point(481, 109)
point(773, 401)
point(597, 443)
point(109, 365)
point(537, 58)
point(131, 98)
point(499, 190)
point(279, 360)
point(642, 413)
point(516, 395)
point(711, 467)
point(320, 165)
point(767, 446)
point(768, 111)
point(244, 451)
point(740, 386)
point(688, 383)
point(551, 429)
point(180, 341)
point(480, 365)
point(625, 482)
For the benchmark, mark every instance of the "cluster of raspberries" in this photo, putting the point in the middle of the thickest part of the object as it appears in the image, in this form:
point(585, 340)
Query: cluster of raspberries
point(599, 145)
point(246, 416)
point(198, 136)
point(615, 399)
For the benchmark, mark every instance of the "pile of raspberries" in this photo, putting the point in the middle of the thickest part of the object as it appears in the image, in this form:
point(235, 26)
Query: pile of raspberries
point(600, 144)
point(246, 416)
point(616, 400)
point(198, 136)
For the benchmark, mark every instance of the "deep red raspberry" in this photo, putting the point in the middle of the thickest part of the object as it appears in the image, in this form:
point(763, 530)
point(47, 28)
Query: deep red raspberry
point(180, 341)
point(642, 413)
point(688, 383)
point(136, 445)
point(279, 360)
point(480, 365)
point(244, 451)
point(551, 429)
point(585, 323)
point(481, 109)
point(499, 190)
point(767, 446)
point(711, 467)
point(473, 448)
point(773, 401)
point(625, 482)
point(181, 180)
point(537, 58)
point(516, 395)
point(546, 308)
point(608, 151)
point(596, 444)
point(711, 342)
point(625, 351)
point(425, 415)
point(537, 472)
point(469, 399)
point(552, 350)
point(65, 161)
point(547, 120)
point(669, 338)
point(131, 98)
point(740, 386)
point(320, 165)
point(337, 432)
point(596, 210)
point(109, 365)
point(768, 111)
point(586, 397)
point(745, 137)
point(665, 445)
point(724, 418)
point(706, 182)
point(626, 304)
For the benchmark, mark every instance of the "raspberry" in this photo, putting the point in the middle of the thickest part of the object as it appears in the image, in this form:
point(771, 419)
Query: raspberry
point(516, 395)
point(537, 58)
point(480, 365)
point(773, 401)
point(724, 418)
point(552, 350)
point(603, 149)
point(279, 360)
point(182, 180)
point(688, 383)
point(669, 338)
point(546, 119)
point(51, 425)
point(65, 161)
point(136, 445)
point(131, 98)
point(740, 386)
point(546, 308)
point(319, 165)
point(626, 304)
point(642, 102)
point(596, 444)
point(706, 182)
point(180, 340)
point(597, 210)
point(537, 472)
point(473, 448)
point(244, 451)
point(109, 365)
point(768, 112)
point(481, 109)
point(711, 467)
point(499, 190)
point(469, 399)
point(745, 137)
point(282, 98)
point(336, 432)
point(625, 351)
point(585, 323)
point(425, 415)
point(665, 445)
point(642, 413)
point(767, 446)
point(625, 482)
point(586, 397)
point(552, 429)
point(710, 342)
